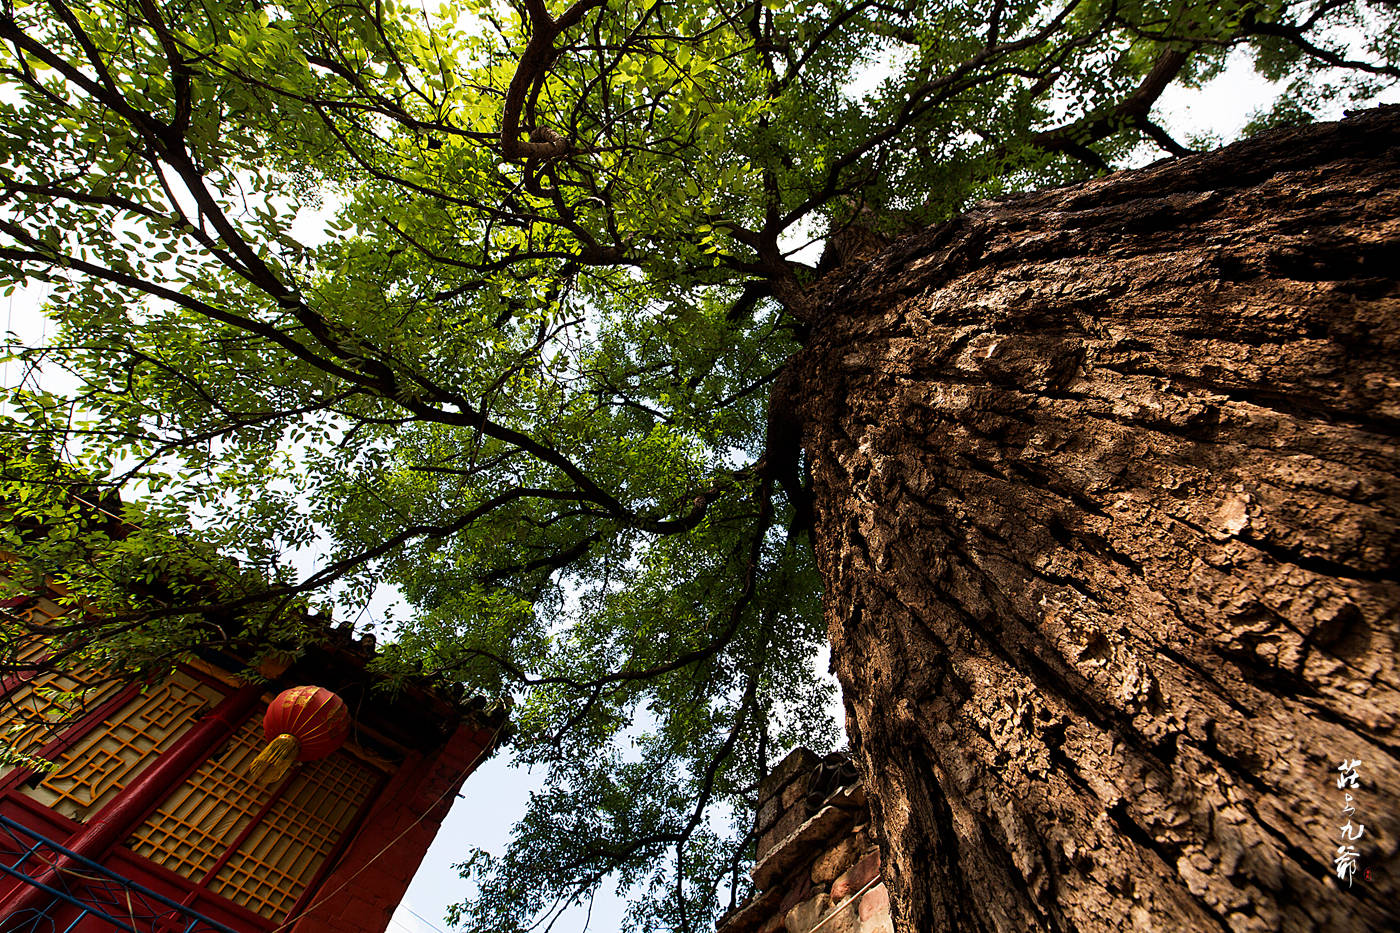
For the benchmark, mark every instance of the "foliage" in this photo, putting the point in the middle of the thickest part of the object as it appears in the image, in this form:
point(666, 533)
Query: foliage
point(525, 376)
point(136, 594)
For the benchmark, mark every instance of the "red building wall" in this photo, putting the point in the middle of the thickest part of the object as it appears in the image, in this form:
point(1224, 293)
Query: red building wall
point(360, 882)
point(366, 886)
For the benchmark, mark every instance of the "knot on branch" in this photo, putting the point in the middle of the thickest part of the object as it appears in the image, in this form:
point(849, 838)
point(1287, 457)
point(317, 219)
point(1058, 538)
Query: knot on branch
point(547, 143)
point(543, 144)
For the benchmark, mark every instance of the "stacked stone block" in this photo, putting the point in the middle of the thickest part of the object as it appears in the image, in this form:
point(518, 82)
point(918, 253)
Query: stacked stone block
point(818, 868)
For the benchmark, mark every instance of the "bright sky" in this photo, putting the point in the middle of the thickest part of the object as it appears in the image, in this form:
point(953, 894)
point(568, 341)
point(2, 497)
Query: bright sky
point(494, 797)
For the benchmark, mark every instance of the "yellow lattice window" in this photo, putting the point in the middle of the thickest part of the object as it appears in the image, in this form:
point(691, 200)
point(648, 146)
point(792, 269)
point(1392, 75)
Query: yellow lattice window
point(35, 711)
point(90, 772)
point(18, 645)
point(27, 649)
point(193, 826)
point(283, 852)
point(262, 845)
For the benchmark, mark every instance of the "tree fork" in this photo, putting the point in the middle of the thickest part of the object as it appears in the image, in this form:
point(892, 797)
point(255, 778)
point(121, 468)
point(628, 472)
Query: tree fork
point(1106, 506)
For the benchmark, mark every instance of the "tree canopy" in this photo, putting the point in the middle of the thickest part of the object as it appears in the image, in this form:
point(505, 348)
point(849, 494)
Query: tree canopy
point(530, 373)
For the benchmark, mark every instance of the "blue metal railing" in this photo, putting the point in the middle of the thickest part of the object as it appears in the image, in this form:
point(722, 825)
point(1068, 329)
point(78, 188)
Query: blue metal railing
point(83, 892)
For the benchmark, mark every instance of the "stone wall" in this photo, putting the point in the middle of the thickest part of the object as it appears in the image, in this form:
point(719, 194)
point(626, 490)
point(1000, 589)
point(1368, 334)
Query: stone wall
point(818, 869)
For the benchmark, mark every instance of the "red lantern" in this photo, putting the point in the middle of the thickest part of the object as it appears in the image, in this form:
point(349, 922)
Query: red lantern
point(301, 724)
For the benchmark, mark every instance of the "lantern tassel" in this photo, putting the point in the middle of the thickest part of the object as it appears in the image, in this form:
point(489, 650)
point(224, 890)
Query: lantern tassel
point(272, 762)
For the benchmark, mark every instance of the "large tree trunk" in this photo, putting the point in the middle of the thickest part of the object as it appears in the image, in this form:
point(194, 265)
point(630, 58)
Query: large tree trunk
point(1106, 508)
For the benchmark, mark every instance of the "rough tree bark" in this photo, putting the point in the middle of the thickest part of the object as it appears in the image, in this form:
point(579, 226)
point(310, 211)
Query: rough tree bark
point(1106, 508)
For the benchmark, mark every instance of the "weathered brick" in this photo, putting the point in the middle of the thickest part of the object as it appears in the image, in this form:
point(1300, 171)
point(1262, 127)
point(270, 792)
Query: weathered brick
point(841, 920)
point(773, 925)
point(753, 915)
point(798, 892)
point(856, 877)
point(785, 825)
point(784, 784)
point(880, 923)
point(875, 903)
point(837, 859)
point(795, 793)
point(842, 855)
point(804, 916)
point(798, 761)
point(796, 851)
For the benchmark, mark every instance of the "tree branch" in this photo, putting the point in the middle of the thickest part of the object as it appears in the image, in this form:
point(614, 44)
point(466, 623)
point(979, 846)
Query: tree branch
point(544, 143)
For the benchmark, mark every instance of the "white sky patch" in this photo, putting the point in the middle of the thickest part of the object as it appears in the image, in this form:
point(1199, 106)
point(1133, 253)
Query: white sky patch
point(866, 79)
point(1222, 106)
point(311, 226)
point(26, 326)
point(1226, 103)
point(804, 241)
point(836, 709)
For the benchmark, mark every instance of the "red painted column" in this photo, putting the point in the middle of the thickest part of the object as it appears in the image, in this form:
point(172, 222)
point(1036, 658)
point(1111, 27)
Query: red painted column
point(114, 822)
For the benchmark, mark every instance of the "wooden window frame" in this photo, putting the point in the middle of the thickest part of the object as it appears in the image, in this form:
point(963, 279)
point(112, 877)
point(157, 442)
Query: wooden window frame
point(79, 729)
point(203, 884)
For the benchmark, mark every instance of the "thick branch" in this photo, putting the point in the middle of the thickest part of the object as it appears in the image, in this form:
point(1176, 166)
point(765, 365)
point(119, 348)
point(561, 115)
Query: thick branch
point(534, 63)
point(1133, 110)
